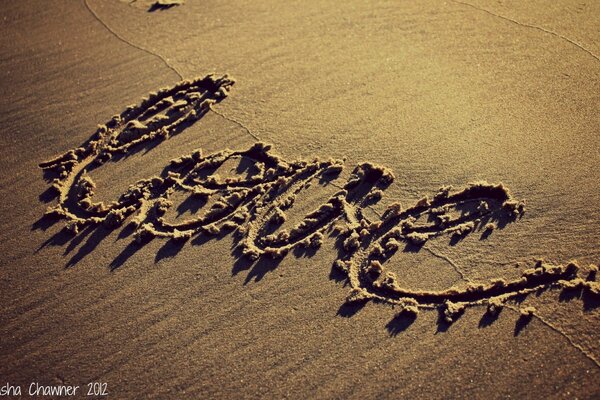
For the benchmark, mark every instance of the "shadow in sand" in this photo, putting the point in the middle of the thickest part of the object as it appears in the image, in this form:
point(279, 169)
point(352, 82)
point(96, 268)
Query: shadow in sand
point(48, 195)
point(91, 243)
point(45, 222)
point(191, 204)
point(589, 301)
point(162, 5)
point(126, 254)
point(77, 239)
point(411, 247)
point(304, 252)
point(522, 322)
point(456, 239)
point(485, 234)
point(241, 263)
point(443, 324)
point(348, 310)
point(338, 276)
point(202, 238)
point(170, 249)
point(489, 318)
point(262, 267)
point(127, 231)
point(91, 237)
point(400, 323)
point(519, 298)
point(60, 238)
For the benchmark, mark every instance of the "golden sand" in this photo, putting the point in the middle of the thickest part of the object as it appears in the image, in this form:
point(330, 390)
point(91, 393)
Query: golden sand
point(335, 223)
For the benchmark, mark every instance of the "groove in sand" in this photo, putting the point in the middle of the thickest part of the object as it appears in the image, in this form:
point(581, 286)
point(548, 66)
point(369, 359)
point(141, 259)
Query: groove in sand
point(255, 206)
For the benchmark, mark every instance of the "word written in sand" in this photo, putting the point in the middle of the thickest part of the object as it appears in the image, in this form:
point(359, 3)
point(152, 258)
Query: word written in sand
point(255, 201)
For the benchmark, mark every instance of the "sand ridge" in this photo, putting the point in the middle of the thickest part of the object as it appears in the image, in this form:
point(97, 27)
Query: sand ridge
point(255, 206)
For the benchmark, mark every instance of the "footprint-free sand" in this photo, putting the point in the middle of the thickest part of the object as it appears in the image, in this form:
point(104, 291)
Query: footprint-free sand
point(301, 200)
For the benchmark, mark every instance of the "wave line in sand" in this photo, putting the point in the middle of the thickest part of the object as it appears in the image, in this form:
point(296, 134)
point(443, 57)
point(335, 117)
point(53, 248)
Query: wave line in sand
point(122, 39)
point(539, 28)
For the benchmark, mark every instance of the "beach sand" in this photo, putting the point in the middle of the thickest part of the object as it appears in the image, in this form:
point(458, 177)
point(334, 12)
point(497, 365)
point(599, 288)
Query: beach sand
point(434, 93)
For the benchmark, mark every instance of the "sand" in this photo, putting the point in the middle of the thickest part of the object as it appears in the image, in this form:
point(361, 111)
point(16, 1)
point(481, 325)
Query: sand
point(301, 200)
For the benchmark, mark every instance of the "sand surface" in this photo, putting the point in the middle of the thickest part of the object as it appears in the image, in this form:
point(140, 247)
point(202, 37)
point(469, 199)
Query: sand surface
point(439, 93)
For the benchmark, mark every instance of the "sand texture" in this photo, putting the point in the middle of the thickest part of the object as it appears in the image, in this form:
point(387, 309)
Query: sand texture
point(301, 199)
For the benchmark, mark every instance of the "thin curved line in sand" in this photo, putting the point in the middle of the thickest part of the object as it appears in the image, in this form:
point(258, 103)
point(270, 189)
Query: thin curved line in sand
point(164, 60)
point(539, 28)
point(525, 315)
point(122, 39)
point(449, 261)
point(235, 121)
